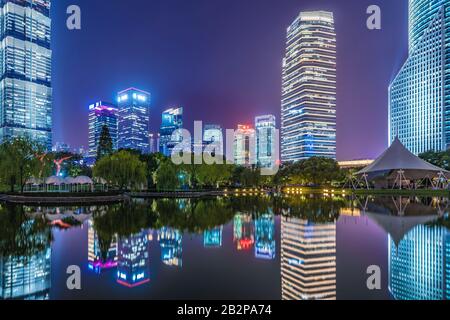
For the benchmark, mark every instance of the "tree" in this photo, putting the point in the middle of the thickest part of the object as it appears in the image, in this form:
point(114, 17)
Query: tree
point(19, 161)
point(167, 177)
point(153, 162)
point(122, 169)
point(105, 144)
point(440, 159)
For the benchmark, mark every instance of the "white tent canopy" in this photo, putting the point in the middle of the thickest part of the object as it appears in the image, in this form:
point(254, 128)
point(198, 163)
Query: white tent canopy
point(398, 159)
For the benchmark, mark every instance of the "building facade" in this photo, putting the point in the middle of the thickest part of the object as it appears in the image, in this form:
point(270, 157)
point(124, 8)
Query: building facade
point(308, 107)
point(419, 96)
point(102, 114)
point(25, 70)
point(133, 119)
point(172, 119)
point(419, 267)
point(265, 141)
point(27, 278)
point(244, 146)
point(308, 260)
point(133, 262)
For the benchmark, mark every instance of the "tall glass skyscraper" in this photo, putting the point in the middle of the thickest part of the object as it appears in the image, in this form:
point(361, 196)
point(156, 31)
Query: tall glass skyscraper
point(308, 260)
point(308, 107)
point(172, 119)
point(133, 263)
point(170, 241)
point(102, 114)
point(244, 146)
point(27, 278)
point(134, 118)
point(265, 141)
point(419, 266)
point(419, 96)
point(25, 70)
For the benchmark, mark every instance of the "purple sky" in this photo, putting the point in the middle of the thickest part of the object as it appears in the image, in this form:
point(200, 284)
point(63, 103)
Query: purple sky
point(221, 60)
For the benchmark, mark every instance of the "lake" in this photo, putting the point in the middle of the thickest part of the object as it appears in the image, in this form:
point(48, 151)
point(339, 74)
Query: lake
point(292, 247)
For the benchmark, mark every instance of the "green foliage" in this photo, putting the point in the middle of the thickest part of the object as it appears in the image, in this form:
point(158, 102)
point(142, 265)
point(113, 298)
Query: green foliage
point(167, 176)
point(246, 177)
point(122, 169)
point(315, 171)
point(105, 144)
point(440, 159)
point(19, 161)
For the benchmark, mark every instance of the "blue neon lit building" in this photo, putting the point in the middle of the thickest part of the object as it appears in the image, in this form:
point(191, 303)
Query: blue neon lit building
point(265, 141)
point(172, 119)
point(419, 267)
point(265, 237)
point(102, 114)
point(133, 265)
point(26, 278)
point(134, 118)
point(308, 107)
point(213, 238)
point(25, 71)
point(170, 241)
point(419, 96)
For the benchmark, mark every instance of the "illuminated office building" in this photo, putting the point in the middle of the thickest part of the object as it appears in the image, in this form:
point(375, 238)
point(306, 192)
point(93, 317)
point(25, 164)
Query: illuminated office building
point(133, 267)
point(213, 238)
point(213, 134)
point(419, 96)
point(25, 69)
point(308, 107)
point(243, 231)
point(170, 241)
point(265, 237)
point(172, 119)
point(244, 146)
point(265, 141)
point(308, 260)
point(98, 260)
point(26, 278)
point(154, 143)
point(419, 267)
point(134, 119)
point(102, 114)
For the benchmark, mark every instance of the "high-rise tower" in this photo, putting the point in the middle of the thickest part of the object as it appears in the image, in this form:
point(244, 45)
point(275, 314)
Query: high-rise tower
point(308, 107)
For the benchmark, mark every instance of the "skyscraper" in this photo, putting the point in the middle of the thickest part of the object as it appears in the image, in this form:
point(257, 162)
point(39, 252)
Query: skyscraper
point(308, 107)
point(102, 114)
point(244, 146)
point(308, 260)
point(213, 138)
point(27, 278)
point(25, 70)
point(98, 260)
point(133, 260)
point(265, 236)
point(419, 96)
point(265, 141)
point(134, 117)
point(419, 266)
point(172, 119)
point(170, 241)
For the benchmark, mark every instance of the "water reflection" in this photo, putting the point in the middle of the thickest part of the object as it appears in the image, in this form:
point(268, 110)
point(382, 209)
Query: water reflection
point(120, 239)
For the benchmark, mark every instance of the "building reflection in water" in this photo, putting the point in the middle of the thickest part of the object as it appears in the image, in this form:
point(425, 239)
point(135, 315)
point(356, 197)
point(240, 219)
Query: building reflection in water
point(170, 241)
point(419, 267)
point(265, 237)
point(243, 231)
point(26, 278)
point(133, 267)
point(97, 259)
point(213, 238)
point(308, 260)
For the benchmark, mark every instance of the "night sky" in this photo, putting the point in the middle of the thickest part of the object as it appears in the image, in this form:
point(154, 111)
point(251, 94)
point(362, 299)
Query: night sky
point(221, 60)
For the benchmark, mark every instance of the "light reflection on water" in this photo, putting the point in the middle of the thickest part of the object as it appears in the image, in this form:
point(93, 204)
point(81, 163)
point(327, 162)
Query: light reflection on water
point(294, 247)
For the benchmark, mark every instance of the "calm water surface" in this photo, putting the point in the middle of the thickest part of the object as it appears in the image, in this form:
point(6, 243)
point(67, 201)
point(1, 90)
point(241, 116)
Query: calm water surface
point(295, 247)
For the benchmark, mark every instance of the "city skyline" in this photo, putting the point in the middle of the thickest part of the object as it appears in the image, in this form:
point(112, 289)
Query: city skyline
point(258, 97)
